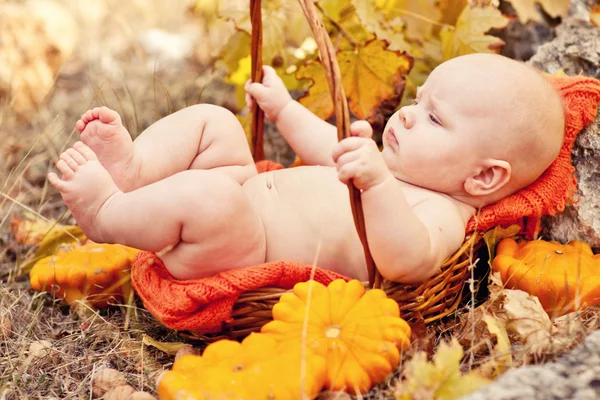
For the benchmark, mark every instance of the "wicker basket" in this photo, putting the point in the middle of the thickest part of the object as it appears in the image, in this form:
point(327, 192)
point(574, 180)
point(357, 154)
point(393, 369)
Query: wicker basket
point(429, 301)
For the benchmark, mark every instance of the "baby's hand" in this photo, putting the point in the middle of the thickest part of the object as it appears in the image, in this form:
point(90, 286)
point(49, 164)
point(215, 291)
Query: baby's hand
point(357, 158)
point(271, 95)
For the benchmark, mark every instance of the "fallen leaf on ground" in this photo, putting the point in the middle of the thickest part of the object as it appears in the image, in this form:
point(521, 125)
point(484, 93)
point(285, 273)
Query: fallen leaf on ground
point(170, 348)
point(441, 379)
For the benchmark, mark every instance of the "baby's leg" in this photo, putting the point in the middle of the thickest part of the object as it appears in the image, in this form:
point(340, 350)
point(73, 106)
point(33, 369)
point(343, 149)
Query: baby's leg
point(202, 136)
point(191, 216)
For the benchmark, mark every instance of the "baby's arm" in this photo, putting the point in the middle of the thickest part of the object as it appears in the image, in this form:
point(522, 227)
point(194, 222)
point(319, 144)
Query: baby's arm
point(311, 138)
point(408, 244)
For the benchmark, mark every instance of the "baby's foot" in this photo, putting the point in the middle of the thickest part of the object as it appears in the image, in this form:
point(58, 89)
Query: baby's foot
point(102, 130)
point(85, 187)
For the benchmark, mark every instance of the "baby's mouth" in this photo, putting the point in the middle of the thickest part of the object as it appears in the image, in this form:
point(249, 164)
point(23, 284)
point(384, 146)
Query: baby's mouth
point(392, 139)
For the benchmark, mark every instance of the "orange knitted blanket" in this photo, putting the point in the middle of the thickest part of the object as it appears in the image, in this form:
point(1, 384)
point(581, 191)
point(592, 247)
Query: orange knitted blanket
point(202, 305)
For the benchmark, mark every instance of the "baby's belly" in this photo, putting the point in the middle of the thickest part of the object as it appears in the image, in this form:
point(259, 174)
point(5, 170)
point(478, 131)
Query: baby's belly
point(307, 218)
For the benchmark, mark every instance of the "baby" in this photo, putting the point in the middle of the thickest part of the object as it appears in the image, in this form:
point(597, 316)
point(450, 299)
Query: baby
point(481, 127)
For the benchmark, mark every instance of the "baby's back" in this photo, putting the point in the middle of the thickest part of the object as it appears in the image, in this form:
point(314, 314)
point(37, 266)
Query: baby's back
point(307, 217)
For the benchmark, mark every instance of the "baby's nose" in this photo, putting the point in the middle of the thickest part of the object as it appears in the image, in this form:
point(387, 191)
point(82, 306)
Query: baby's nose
point(406, 117)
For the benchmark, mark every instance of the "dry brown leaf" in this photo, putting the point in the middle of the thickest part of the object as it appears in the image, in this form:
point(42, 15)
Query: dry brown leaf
point(170, 348)
point(526, 319)
point(5, 325)
point(469, 34)
point(501, 357)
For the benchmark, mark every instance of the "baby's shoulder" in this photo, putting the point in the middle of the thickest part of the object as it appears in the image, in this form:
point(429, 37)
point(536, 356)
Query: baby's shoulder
point(436, 204)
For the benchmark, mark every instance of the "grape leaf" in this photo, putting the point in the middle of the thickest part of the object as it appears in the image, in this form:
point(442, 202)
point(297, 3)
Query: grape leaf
point(370, 75)
point(373, 19)
point(526, 9)
point(419, 15)
point(469, 34)
point(441, 379)
point(283, 22)
point(451, 10)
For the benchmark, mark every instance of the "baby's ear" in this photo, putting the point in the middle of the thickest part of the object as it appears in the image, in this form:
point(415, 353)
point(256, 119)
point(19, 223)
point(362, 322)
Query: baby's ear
point(490, 178)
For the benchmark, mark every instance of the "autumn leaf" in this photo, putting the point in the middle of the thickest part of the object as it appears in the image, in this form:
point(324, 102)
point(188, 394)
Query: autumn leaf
point(526, 9)
point(170, 348)
point(374, 21)
point(501, 357)
point(419, 15)
point(370, 75)
point(595, 15)
point(495, 235)
point(284, 25)
point(469, 34)
point(441, 379)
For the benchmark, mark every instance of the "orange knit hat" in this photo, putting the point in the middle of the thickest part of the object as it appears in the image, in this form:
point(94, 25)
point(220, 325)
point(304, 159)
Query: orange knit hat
point(555, 187)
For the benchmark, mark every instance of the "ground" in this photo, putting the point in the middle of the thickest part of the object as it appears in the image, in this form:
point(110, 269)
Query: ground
point(111, 66)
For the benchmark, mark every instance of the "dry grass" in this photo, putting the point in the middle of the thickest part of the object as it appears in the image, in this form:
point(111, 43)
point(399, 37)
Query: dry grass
point(108, 68)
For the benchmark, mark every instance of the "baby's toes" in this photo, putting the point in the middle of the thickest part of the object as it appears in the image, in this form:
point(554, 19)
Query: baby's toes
point(56, 181)
point(80, 125)
point(77, 156)
point(85, 152)
point(107, 116)
point(73, 165)
point(65, 169)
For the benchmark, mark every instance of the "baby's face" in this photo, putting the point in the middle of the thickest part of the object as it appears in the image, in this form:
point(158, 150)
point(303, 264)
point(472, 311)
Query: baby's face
point(434, 143)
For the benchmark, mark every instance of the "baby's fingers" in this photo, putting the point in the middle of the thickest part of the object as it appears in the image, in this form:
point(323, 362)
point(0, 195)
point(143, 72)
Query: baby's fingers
point(346, 145)
point(250, 103)
point(362, 129)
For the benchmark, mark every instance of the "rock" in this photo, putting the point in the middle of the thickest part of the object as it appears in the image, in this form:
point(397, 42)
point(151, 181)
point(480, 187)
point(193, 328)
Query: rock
point(122, 392)
point(105, 380)
point(573, 376)
point(575, 50)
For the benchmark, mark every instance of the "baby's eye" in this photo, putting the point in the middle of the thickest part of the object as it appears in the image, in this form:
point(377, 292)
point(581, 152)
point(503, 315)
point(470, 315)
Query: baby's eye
point(434, 119)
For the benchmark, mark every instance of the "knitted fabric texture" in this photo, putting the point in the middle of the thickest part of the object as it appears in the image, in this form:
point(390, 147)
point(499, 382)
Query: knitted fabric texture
point(550, 192)
point(202, 305)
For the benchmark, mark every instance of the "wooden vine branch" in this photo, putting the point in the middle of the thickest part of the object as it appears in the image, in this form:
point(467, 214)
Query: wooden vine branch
point(258, 115)
point(338, 96)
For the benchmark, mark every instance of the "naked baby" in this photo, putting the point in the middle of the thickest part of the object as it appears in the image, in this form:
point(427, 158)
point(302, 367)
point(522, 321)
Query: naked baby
point(481, 128)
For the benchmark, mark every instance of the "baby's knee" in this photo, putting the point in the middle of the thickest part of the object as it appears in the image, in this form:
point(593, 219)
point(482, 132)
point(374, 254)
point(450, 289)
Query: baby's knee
point(208, 112)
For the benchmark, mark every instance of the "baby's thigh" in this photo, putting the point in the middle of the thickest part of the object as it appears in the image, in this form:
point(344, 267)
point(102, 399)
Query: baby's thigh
point(222, 229)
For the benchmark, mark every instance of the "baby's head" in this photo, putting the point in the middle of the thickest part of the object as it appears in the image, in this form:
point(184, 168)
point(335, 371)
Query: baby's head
point(482, 127)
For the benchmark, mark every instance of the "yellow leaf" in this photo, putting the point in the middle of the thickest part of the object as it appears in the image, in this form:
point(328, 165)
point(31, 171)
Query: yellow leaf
point(526, 9)
point(374, 21)
point(441, 379)
point(451, 10)
point(284, 25)
point(501, 355)
point(469, 34)
point(495, 235)
point(418, 15)
point(170, 348)
point(370, 75)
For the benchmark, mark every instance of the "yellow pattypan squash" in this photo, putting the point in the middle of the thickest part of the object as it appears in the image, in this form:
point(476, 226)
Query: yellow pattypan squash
point(564, 277)
point(360, 333)
point(98, 273)
point(259, 368)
